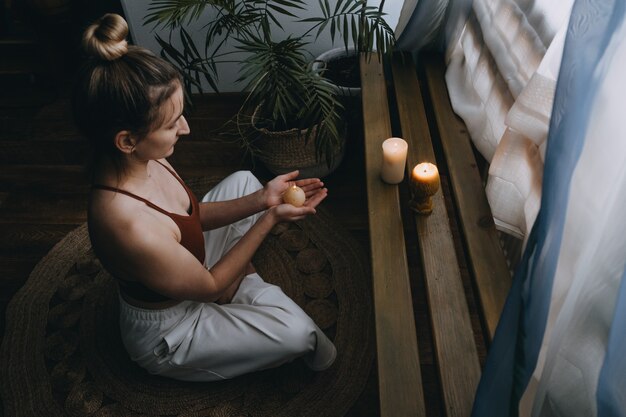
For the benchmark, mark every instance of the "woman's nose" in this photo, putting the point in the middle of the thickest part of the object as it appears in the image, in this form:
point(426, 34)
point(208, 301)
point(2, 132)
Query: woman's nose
point(184, 127)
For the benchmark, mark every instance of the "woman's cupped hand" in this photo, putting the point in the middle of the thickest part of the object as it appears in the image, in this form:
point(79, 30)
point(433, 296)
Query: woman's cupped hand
point(314, 192)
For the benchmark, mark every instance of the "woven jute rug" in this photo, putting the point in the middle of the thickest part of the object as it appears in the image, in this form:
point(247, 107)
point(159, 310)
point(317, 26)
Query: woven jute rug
point(62, 354)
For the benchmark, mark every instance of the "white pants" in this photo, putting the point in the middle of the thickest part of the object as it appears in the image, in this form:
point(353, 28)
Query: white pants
point(261, 328)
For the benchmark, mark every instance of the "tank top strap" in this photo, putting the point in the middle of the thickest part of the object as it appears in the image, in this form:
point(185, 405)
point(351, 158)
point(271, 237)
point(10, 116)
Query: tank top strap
point(135, 196)
point(175, 175)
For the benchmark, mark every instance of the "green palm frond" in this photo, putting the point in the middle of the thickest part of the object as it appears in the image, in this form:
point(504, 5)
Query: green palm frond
point(281, 87)
point(354, 20)
point(272, 72)
point(174, 13)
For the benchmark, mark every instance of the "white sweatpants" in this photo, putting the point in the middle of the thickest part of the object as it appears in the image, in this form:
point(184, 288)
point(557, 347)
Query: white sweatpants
point(261, 328)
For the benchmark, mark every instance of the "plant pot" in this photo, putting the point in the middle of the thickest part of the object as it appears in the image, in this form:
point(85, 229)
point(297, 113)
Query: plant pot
point(286, 151)
point(342, 68)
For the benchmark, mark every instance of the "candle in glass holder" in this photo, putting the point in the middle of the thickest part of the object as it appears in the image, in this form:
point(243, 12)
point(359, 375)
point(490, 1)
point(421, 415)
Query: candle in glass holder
point(394, 160)
point(424, 183)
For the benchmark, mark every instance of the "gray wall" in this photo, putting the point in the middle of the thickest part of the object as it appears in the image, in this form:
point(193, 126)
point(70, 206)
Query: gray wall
point(135, 11)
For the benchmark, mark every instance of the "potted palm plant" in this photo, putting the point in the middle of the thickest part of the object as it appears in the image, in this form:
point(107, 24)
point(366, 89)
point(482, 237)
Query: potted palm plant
point(291, 116)
point(362, 28)
point(368, 31)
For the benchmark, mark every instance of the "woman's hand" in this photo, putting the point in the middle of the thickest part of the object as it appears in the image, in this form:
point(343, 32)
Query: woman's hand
point(313, 188)
point(288, 213)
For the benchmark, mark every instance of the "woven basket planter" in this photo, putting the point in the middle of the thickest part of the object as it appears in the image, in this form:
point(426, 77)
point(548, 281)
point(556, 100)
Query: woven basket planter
point(288, 150)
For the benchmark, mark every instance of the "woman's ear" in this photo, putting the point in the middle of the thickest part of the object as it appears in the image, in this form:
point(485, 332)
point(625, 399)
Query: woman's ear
point(125, 142)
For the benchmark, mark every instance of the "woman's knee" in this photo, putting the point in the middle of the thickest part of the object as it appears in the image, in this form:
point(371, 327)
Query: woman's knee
point(247, 178)
point(299, 335)
point(235, 185)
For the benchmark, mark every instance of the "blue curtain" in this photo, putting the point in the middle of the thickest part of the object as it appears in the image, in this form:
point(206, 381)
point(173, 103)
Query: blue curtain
point(433, 23)
point(513, 354)
point(612, 383)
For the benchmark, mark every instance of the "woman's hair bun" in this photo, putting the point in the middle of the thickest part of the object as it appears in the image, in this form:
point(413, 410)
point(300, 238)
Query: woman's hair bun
point(106, 37)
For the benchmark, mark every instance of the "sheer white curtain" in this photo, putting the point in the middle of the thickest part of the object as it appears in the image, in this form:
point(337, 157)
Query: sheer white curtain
point(502, 58)
point(501, 79)
point(430, 23)
point(516, 170)
point(420, 22)
point(591, 258)
point(496, 55)
point(559, 348)
point(542, 95)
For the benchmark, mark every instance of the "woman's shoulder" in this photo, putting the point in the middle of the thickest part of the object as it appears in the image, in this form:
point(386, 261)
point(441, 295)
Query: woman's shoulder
point(116, 215)
point(120, 226)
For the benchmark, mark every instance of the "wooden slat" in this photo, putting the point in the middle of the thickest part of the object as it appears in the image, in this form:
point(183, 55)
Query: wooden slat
point(398, 362)
point(54, 129)
point(208, 151)
point(44, 208)
point(62, 179)
point(487, 261)
point(457, 358)
point(19, 65)
point(29, 238)
point(217, 107)
point(45, 152)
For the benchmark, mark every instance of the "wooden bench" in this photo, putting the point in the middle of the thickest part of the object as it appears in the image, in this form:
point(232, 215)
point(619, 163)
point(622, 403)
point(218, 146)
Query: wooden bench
point(400, 381)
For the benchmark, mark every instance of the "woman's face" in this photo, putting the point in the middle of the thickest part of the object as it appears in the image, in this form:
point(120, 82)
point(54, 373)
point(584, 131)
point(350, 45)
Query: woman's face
point(159, 143)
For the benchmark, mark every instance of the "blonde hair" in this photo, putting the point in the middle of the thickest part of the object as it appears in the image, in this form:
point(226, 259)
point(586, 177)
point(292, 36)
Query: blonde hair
point(119, 87)
point(106, 37)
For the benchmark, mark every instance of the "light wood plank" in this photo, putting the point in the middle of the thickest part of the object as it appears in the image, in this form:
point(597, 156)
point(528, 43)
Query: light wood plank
point(398, 361)
point(487, 261)
point(457, 358)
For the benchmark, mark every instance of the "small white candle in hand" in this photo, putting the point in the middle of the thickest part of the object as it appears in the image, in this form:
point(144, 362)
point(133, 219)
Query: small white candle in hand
point(394, 160)
point(294, 196)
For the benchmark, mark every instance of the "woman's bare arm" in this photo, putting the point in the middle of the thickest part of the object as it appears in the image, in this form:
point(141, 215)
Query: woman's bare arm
point(154, 256)
point(222, 213)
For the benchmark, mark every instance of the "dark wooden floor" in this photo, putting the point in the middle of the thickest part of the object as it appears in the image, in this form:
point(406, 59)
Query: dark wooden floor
point(43, 196)
point(43, 189)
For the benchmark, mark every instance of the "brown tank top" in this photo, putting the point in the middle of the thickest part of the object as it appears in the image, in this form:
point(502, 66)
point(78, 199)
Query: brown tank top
point(191, 237)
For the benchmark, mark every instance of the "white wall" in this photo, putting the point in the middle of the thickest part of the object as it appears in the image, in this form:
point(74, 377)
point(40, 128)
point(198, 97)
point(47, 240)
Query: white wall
point(136, 10)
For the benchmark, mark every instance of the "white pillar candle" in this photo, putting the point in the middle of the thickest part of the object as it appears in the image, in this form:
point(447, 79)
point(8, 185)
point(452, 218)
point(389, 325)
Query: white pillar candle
point(394, 160)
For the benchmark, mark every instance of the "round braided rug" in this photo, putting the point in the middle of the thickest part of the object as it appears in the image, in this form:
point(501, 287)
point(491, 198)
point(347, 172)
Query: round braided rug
point(62, 354)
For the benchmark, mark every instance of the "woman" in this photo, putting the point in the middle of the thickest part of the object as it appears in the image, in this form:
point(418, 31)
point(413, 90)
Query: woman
point(192, 306)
